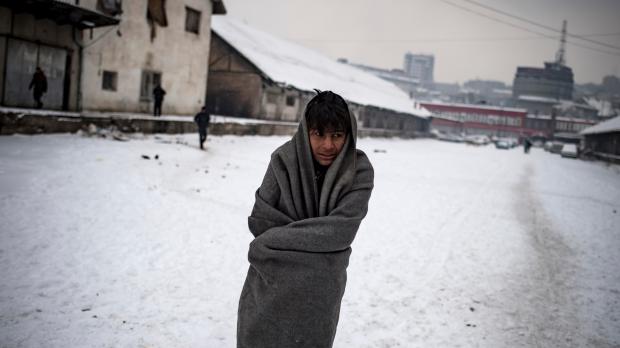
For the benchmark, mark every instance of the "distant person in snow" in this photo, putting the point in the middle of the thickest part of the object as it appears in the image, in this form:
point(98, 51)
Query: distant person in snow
point(527, 144)
point(307, 211)
point(158, 98)
point(38, 84)
point(202, 119)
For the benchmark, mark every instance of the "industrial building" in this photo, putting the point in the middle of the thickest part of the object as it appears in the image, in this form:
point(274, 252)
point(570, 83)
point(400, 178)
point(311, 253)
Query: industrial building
point(603, 140)
point(538, 89)
point(43, 34)
point(107, 55)
point(254, 74)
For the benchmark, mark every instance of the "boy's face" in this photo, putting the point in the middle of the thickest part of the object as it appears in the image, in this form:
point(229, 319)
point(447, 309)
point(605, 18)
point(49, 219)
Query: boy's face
point(326, 145)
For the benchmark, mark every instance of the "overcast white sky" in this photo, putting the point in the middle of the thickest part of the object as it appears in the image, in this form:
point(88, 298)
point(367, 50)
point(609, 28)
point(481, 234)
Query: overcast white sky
point(466, 45)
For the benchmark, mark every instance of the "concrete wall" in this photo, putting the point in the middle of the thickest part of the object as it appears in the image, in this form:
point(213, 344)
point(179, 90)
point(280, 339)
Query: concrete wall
point(59, 122)
point(44, 32)
point(180, 56)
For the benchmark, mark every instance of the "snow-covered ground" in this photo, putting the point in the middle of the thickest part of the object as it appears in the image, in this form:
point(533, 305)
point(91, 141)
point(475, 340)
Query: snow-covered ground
point(462, 246)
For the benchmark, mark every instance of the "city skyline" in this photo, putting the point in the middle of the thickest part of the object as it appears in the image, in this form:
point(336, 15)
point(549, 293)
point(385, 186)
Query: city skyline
point(468, 38)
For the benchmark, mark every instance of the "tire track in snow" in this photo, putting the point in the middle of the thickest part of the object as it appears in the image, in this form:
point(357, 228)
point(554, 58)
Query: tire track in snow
point(546, 307)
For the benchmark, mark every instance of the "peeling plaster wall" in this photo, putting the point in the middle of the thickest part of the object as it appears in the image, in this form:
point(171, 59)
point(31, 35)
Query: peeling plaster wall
point(180, 56)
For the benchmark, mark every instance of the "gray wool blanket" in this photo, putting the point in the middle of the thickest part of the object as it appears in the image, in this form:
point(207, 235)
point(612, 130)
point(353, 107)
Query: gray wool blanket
point(298, 259)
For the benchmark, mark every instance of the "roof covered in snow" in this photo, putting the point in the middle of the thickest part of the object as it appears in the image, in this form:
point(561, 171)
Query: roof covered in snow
point(569, 104)
point(294, 65)
point(476, 106)
point(612, 125)
point(604, 107)
point(535, 98)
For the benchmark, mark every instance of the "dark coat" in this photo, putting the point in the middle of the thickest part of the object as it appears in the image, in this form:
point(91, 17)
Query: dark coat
point(39, 82)
point(298, 259)
point(158, 94)
point(202, 119)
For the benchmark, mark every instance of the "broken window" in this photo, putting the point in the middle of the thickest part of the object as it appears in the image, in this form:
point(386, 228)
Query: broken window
point(156, 14)
point(192, 20)
point(150, 79)
point(109, 80)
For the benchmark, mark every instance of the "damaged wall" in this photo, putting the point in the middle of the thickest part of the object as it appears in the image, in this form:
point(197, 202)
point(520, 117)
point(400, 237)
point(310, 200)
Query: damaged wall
point(128, 53)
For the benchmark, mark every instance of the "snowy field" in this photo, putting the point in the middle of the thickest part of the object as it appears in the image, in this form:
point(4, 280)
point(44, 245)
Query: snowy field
point(462, 246)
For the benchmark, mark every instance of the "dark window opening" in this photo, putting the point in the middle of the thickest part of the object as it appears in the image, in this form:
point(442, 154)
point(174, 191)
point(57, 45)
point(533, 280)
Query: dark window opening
point(156, 14)
point(109, 80)
point(290, 100)
point(192, 20)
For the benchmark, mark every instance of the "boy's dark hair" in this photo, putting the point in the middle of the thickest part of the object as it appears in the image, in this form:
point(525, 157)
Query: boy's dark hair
point(328, 111)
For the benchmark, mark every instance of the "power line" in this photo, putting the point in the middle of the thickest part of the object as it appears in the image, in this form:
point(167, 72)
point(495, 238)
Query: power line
point(523, 28)
point(431, 40)
point(603, 34)
point(439, 39)
point(538, 24)
point(496, 19)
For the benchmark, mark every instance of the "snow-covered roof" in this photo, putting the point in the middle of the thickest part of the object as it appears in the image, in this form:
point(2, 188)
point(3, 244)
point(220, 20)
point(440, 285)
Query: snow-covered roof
point(536, 98)
point(569, 104)
point(612, 125)
point(300, 67)
point(476, 106)
point(503, 91)
point(604, 107)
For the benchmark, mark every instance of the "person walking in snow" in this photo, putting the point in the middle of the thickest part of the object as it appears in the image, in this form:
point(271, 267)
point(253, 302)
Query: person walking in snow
point(38, 84)
point(527, 144)
point(158, 97)
point(202, 119)
point(307, 211)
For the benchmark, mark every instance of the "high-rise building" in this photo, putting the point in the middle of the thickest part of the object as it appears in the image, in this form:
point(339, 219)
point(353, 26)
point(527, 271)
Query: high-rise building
point(550, 84)
point(420, 66)
point(554, 81)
